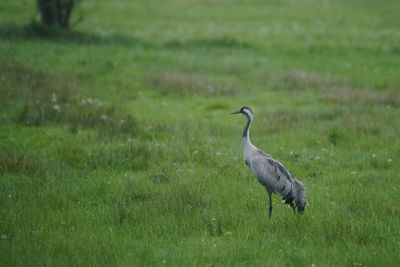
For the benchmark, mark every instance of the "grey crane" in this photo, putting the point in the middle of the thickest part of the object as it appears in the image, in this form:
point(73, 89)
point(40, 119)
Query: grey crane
point(270, 172)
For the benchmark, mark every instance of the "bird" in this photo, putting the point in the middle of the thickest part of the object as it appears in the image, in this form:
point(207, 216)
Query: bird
point(271, 173)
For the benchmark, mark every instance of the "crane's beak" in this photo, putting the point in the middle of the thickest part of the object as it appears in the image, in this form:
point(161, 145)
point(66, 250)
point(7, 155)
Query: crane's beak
point(236, 112)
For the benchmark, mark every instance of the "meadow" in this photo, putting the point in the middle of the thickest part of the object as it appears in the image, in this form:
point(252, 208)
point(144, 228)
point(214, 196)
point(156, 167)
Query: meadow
point(117, 147)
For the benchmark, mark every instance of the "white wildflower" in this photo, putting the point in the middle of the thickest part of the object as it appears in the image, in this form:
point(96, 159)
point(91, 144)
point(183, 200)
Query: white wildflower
point(389, 160)
point(57, 108)
point(53, 97)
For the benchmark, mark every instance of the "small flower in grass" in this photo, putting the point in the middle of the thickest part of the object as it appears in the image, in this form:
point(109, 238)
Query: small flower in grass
point(57, 108)
point(373, 155)
point(86, 101)
point(389, 160)
point(53, 97)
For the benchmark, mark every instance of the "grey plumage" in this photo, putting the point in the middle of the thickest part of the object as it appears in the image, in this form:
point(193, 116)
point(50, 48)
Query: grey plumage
point(270, 172)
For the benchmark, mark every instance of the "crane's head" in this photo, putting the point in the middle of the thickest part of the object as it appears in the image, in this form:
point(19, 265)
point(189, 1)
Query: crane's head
point(245, 111)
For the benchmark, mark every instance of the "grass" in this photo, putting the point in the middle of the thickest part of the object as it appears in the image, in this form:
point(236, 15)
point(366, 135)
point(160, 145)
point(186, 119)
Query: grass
point(117, 147)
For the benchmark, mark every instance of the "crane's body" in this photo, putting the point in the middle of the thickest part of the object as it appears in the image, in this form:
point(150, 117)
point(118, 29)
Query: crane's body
point(270, 172)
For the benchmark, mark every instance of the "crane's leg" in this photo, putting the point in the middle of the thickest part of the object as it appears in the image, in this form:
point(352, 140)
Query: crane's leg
point(270, 204)
point(292, 206)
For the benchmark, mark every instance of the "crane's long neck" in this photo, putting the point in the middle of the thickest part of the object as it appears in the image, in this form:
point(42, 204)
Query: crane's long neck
point(248, 147)
point(246, 131)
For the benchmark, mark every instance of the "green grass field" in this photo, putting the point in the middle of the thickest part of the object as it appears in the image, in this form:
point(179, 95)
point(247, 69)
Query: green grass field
point(117, 147)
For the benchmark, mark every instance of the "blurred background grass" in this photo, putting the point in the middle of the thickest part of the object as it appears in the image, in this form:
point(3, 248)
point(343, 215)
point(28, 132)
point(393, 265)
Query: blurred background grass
point(117, 147)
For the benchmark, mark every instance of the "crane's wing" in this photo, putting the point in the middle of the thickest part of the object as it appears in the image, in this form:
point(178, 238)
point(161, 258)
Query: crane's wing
point(276, 178)
point(272, 174)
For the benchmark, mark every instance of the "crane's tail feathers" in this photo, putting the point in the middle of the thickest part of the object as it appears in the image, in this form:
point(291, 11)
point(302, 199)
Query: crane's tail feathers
point(299, 196)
